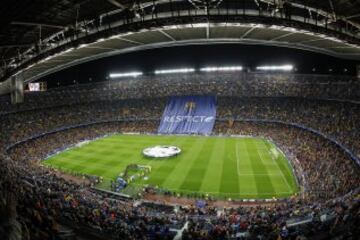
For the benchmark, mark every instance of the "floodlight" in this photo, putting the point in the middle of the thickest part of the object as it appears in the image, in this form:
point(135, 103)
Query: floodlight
point(125, 74)
point(67, 50)
point(222, 69)
point(276, 68)
point(179, 70)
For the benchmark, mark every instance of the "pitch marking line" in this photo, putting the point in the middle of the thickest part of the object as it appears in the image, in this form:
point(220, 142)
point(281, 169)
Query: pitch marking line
point(259, 174)
point(76, 161)
point(237, 159)
point(224, 193)
point(282, 174)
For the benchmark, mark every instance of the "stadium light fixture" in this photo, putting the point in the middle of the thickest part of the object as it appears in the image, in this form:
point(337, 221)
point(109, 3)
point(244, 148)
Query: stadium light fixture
point(171, 71)
point(67, 50)
point(100, 40)
point(222, 69)
point(126, 74)
point(276, 68)
point(83, 45)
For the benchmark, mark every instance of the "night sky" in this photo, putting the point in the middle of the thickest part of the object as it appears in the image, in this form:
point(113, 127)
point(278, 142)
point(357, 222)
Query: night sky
point(197, 56)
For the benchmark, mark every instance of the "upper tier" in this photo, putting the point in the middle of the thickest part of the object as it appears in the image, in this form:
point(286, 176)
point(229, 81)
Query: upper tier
point(238, 84)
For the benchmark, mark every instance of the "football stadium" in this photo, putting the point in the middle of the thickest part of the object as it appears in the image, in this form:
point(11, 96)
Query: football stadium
point(251, 168)
point(180, 119)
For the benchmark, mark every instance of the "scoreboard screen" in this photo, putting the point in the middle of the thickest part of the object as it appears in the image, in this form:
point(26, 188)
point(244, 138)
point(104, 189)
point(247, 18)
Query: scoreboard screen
point(37, 86)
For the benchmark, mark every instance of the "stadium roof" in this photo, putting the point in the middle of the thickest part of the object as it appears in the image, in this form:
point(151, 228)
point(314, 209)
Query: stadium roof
point(41, 37)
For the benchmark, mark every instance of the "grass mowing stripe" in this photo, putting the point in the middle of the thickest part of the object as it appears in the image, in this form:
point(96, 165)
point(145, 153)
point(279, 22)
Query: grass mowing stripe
point(278, 181)
point(286, 167)
point(134, 157)
point(221, 166)
point(214, 168)
point(247, 176)
point(184, 166)
point(263, 183)
point(276, 161)
point(165, 166)
point(229, 179)
point(194, 177)
point(237, 159)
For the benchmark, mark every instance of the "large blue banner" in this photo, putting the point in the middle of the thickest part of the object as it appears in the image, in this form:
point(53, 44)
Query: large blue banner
point(189, 115)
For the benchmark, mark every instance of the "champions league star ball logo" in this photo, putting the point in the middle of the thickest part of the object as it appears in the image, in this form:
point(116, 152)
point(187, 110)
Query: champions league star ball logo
point(190, 105)
point(161, 151)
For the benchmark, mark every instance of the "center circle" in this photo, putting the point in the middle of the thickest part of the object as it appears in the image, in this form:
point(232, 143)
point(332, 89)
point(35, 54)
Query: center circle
point(161, 151)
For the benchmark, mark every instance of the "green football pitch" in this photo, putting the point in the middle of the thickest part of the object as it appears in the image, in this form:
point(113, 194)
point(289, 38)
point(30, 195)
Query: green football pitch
point(224, 167)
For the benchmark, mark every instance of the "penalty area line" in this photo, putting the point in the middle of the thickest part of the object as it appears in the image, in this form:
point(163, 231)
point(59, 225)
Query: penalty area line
point(277, 165)
point(225, 193)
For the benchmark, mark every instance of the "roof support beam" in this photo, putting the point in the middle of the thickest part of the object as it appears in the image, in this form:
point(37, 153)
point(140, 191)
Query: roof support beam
point(339, 47)
point(313, 40)
point(116, 4)
point(353, 16)
point(208, 30)
point(332, 8)
point(167, 35)
point(15, 46)
point(131, 41)
point(37, 24)
point(248, 32)
point(282, 36)
point(34, 74)
point(193, 3)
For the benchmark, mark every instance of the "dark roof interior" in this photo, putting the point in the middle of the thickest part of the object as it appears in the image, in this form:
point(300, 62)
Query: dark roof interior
point(21, 20)
point(25, 22)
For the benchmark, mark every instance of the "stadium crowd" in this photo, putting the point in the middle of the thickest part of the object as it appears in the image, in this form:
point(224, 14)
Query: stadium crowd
point(336, 119)
point(218, 84)
point(313, 155)
point(33, 122)
point(44, 197)
point(36, 201)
